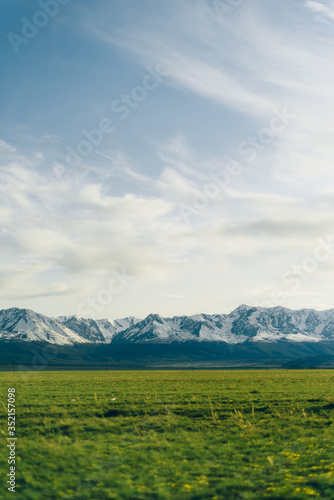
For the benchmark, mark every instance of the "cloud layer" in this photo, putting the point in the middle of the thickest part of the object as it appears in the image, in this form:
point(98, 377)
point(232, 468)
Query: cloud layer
point(199, 228)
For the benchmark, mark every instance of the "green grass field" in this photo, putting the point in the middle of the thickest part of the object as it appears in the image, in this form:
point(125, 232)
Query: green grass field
point(171, 435)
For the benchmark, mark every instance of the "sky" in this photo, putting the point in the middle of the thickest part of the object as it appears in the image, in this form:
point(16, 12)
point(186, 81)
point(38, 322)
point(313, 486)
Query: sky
point(171, 157)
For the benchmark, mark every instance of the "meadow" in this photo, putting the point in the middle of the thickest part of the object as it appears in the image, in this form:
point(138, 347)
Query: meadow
point(201, 435)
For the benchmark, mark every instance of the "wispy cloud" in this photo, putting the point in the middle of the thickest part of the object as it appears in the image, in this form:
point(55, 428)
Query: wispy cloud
point(325, 10)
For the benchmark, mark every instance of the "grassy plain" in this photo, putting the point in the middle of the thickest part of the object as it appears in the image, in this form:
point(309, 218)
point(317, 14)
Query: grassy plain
point(197, 435)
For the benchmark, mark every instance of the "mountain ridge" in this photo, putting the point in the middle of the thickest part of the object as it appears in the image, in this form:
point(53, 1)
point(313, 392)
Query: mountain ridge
point(243, 324)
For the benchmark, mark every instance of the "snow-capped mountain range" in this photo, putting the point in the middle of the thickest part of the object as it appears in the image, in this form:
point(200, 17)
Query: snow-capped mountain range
point(244, 324)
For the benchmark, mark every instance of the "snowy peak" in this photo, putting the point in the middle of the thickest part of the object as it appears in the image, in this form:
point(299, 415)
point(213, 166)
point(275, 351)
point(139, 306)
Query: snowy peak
point(86, 328)
point(24, 324)
point(143, 330)
point(110, 328)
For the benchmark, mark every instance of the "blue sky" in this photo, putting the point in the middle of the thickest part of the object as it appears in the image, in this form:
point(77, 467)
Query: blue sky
point(172, 157)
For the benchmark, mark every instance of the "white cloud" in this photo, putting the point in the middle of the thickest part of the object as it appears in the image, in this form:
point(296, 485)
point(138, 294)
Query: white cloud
point(326, 9)
point(64, 239)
